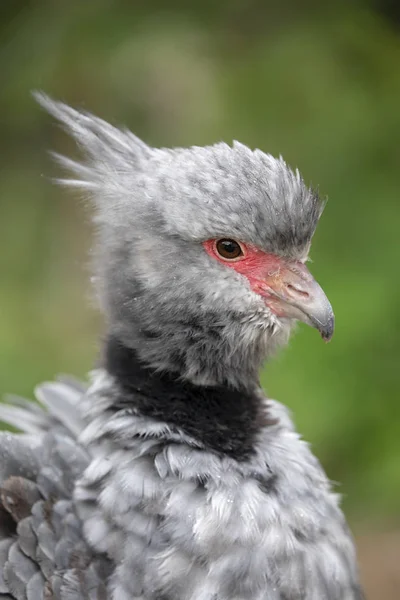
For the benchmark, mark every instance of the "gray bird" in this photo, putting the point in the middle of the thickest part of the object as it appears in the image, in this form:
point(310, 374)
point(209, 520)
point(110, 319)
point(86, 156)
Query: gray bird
point(172, 476)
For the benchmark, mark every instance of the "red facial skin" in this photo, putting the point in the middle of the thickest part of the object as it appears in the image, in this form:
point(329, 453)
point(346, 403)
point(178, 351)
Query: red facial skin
point(263, 271)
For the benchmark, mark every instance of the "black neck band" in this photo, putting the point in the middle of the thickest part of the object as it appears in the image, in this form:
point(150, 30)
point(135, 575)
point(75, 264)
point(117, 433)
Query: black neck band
point(222, 419)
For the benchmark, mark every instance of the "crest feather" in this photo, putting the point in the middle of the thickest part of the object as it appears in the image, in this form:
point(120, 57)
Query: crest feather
point(108, 150)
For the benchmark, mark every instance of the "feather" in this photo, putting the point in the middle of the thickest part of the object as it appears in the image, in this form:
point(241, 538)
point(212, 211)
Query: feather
point(61, 401)
point(106, 147)
point(26, 538)
point(22, 419)
point(35, 587)
point(5, 546)
point(18, 571)
point(17, 457)
point(18, 495)
point(73, 383)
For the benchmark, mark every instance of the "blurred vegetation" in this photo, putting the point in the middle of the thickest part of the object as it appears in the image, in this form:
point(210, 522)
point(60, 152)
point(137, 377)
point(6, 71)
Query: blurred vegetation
point(317, 82)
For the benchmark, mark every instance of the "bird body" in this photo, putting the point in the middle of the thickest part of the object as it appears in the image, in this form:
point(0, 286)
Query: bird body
point(172, 476)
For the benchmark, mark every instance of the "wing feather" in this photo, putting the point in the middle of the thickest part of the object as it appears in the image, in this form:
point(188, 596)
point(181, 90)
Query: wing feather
point(42, 549)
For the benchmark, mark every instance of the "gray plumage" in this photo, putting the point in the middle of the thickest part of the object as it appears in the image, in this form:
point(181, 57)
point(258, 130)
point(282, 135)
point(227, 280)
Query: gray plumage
point(172, 477)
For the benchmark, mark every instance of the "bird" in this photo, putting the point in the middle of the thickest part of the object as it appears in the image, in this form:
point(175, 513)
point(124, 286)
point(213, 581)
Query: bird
point(170, 474)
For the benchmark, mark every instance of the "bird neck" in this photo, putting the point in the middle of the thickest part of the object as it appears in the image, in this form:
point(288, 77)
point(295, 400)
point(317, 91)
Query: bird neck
point(217, 417)
point(205, 348)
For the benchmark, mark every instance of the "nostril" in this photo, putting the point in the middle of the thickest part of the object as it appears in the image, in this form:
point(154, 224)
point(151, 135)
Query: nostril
point(295, 291)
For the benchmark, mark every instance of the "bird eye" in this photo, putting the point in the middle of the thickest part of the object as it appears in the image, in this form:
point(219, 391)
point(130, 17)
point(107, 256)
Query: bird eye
point(228, 249)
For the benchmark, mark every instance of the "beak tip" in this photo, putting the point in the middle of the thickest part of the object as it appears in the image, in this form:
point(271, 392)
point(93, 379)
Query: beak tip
point(327, 329)
point(326, 339)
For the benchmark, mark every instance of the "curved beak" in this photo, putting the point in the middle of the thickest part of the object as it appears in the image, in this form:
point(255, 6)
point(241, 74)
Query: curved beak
point(291, 291)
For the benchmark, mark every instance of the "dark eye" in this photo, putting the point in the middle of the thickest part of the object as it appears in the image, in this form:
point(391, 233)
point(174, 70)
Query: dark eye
point(228, 249)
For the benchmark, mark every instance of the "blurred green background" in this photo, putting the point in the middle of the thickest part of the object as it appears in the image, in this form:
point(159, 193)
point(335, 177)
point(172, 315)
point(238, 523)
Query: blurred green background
point(319, 83)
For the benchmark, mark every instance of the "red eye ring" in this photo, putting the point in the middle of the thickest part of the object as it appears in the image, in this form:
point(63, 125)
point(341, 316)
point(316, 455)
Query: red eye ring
point(229, 250)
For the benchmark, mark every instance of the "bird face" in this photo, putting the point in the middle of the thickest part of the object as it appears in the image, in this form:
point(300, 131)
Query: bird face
point(237, 227)
point(286, 286)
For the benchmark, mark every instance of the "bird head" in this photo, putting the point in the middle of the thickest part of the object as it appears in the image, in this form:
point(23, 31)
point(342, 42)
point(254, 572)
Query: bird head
point(201, 253)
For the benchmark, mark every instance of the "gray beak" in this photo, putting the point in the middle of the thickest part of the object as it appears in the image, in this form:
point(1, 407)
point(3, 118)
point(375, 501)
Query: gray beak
point(295, 294)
